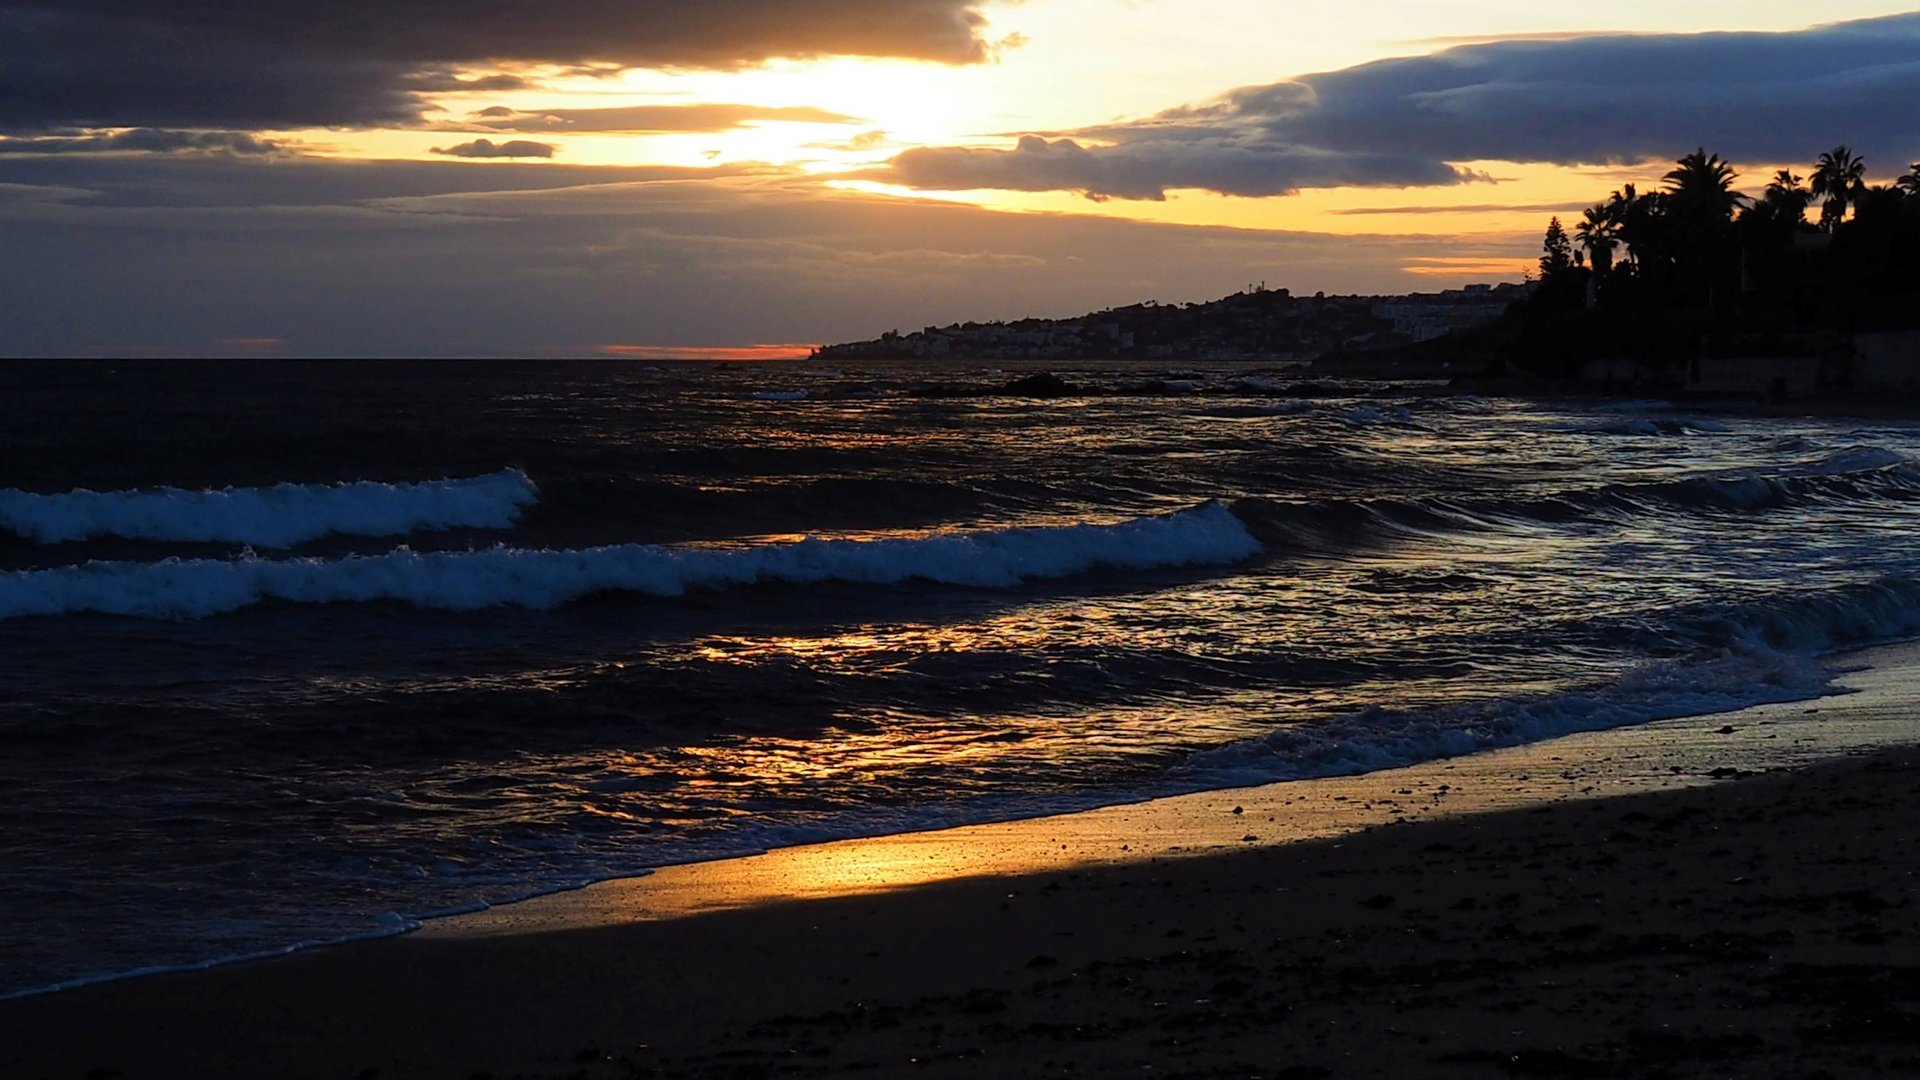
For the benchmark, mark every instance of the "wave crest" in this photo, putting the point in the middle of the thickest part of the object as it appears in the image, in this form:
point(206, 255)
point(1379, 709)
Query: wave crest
point(280, 516)
point(508, 577)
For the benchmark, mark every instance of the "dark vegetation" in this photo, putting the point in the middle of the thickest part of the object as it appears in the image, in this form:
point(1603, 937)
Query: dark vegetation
point(1700, 269)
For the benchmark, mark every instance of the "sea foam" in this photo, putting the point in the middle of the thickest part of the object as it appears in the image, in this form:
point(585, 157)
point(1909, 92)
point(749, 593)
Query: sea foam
point(1738, 656)
point(272, 517)
point(502, 576)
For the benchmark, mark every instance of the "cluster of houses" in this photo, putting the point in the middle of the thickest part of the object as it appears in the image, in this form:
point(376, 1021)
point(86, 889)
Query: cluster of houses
point(1424, 317)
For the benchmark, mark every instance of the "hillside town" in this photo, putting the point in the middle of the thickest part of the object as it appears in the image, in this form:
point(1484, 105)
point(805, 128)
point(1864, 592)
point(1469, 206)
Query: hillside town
point(1255, 324)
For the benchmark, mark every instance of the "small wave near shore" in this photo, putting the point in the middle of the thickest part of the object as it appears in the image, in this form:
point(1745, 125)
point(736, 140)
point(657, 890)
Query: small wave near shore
point(280, 516)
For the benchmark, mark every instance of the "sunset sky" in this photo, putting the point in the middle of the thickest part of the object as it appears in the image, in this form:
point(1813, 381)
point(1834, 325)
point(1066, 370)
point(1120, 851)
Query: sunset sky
point(624, 177)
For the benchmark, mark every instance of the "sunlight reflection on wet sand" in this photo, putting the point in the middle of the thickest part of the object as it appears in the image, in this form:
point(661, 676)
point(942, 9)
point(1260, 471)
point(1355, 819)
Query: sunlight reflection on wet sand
point(1676, 753)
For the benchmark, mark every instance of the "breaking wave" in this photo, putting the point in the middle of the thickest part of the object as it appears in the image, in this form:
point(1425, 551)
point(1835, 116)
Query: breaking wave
point(471, 580)
point(272, 517)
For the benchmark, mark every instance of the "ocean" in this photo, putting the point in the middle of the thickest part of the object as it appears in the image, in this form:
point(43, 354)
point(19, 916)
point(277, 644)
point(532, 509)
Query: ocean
point(298, 653)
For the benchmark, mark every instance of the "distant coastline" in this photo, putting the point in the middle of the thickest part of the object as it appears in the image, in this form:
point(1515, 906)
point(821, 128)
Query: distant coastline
point(1695, 289)
point(1257, 324)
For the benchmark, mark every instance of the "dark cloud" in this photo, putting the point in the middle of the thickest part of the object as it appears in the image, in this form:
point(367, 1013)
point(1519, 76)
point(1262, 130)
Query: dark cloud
point(1620, 99)
point(1148, 168)
point(1609, 99)
point(654, 119)
point(487, 148)
point(274, 64)
point(145, 141)
point(447, 82)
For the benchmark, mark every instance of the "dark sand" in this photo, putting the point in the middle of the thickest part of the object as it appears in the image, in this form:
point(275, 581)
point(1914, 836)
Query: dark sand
point(1764, 926)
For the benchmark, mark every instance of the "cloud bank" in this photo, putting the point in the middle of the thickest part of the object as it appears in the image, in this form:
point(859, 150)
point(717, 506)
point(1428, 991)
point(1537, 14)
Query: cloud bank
point(1148, 168)
point(1595, 100)
point(272, 64)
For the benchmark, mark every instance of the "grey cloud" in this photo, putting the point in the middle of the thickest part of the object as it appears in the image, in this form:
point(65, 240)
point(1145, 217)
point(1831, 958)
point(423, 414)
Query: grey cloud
point(1626, 98)
point(1148, 168)
point(654, 119)
point(449, 82)
point(146, 141)
point(1598, 100)
point(272, 64)
point(487, 148)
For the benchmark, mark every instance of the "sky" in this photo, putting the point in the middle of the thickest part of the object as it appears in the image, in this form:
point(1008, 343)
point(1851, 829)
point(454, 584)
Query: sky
point(747, 178)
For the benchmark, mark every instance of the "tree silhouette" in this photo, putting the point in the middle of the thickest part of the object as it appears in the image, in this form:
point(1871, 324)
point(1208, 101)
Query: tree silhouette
point(1786, 199)
point(1557, 252)
point(1599, 233)
point(1878, 204)
point(1698, 269)
point(1636, 223)
point(1838, 177)
point(1700, 190)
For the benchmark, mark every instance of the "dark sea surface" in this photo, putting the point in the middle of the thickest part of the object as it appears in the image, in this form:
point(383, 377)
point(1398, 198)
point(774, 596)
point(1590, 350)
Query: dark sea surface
point(301, 652)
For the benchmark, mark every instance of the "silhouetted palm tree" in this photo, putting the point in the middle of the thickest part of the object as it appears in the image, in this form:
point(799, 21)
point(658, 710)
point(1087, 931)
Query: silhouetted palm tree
point(1879, 203)
point(1838, 177)
point(1786, 199)
point(1910, 183)
point(1700, 190)
point(1636, 220)
point(1599, 234)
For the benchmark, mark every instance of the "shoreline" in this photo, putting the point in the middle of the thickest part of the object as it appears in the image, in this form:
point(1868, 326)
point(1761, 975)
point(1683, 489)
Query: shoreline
point(1154, 826)
point(804, 932)
point(1875, 702)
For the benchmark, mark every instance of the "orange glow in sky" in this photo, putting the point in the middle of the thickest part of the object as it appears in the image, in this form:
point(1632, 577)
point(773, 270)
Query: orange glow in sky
point(718, 353)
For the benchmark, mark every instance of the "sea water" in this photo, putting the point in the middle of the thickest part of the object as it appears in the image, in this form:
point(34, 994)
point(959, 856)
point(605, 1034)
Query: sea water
point(296, 653)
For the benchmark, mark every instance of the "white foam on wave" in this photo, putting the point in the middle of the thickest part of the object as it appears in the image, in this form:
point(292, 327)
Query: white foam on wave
point(502, 576)
point(1750, 655)
point(272, 517)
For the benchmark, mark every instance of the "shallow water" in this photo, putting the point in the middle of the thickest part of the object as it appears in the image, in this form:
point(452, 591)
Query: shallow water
point(652, 614)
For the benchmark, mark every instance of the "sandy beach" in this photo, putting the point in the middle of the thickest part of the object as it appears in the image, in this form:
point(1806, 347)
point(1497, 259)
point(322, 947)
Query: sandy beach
point(1716, 896)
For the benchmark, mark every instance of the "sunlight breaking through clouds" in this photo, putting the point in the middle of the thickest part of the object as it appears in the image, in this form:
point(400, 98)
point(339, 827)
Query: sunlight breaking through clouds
point(1568, 101)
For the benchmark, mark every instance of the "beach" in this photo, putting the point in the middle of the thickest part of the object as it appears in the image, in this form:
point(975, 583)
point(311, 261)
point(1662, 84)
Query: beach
point(1728, 895)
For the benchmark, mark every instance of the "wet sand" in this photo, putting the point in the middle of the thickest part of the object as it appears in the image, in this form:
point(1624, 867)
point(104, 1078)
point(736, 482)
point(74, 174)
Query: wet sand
point(1720, 897)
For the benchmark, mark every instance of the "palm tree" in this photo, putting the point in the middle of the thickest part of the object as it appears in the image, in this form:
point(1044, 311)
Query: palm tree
point(1599, 233)
point(1910, 183)
point(1786, 200)
point(1880, 203)
point(1636, 220)
point(1700, 189)
point(1838, 177)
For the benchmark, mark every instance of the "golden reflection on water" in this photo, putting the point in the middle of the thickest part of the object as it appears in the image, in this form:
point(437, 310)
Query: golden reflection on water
point(904, 641)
